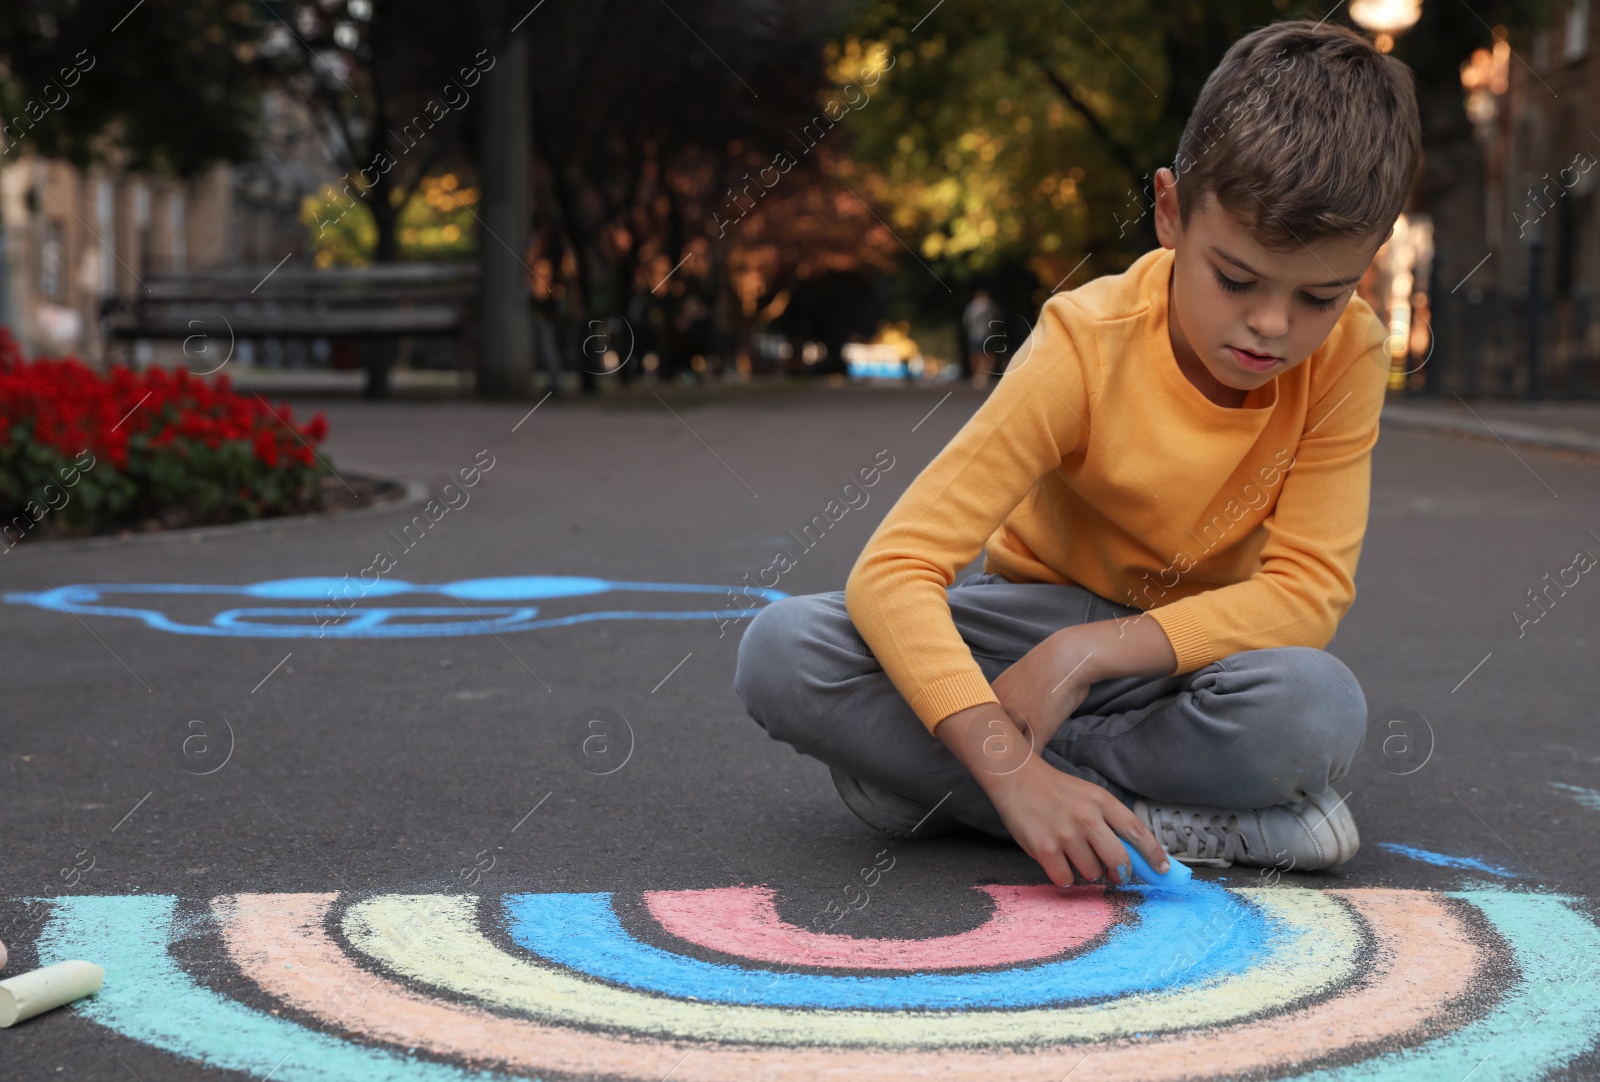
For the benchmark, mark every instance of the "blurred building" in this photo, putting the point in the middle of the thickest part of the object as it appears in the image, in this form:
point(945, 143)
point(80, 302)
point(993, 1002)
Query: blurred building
point(1528, 323)
point(1543, 148)
point(70, 239)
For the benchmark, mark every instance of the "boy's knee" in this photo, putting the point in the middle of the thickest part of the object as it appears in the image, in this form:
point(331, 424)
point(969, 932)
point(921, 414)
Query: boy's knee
point(1333, 710)
point(1313, 722)
point(766, 674)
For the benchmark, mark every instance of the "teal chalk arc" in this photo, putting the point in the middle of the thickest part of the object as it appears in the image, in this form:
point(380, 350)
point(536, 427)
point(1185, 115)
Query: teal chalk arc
point(148, 998)
point(485, 606)
point(1539, 1027)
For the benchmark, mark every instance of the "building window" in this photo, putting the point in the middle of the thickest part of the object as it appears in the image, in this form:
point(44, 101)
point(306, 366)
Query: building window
point(50, 258)
point(105, 225)
point(1576, 37)
point(141, 224)
point(175, 243)
point(1541, 50)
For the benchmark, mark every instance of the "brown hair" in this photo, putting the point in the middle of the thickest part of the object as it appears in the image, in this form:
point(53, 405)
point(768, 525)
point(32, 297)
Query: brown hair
point(1305, 131)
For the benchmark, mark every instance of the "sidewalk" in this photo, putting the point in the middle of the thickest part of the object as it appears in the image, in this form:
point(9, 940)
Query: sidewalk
point(348, 381)
point(1557, 426)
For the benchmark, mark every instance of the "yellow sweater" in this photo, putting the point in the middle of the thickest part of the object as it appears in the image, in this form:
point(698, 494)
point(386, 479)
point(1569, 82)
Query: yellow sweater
point(1096, 463)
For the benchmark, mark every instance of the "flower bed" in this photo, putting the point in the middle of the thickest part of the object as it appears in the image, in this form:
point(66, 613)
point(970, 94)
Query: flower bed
point(96, 452)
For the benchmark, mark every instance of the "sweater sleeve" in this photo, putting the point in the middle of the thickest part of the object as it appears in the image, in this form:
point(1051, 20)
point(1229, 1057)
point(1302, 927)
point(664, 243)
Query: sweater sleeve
point(1035, 416)
point(1306, 579)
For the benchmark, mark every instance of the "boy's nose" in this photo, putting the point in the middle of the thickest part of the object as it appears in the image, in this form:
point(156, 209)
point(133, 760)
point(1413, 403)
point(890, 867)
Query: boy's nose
point(1268, 320)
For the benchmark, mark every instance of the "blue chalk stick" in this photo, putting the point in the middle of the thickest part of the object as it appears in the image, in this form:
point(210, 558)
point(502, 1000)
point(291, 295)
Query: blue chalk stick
point(1177, 875)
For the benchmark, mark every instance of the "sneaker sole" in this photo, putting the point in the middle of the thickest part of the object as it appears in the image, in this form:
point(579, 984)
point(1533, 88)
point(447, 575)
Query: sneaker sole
point(1346, 836)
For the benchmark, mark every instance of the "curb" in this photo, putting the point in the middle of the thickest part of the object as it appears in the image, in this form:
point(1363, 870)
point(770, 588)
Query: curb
point(1510, 432)
point(416, 493)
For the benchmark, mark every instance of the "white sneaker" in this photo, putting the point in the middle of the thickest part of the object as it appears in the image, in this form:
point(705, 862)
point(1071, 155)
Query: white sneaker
point(1318, 832)
point(889, 812)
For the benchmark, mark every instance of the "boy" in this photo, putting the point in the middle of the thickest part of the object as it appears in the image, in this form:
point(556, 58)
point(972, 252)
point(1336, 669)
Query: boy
point(1172, 478)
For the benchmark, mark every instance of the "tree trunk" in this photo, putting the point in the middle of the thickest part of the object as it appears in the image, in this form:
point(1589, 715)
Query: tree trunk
point(386, 216)
point(382, 351)
point(504, 362)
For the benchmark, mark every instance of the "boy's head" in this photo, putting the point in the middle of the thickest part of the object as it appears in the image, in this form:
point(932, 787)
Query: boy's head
point(1290, 173)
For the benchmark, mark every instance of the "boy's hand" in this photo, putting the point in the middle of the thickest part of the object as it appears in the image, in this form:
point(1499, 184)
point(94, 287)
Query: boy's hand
point(1049, 682)
point(1063, 822)
point(1044, 687)
point(1066, 823)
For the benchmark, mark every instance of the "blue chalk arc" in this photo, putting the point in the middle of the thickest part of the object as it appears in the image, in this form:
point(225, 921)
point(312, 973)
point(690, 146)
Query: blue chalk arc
point(582, 932)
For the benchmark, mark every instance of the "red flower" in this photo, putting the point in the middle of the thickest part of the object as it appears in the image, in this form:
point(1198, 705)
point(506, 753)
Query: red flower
point(266, 448)
point(121, 415)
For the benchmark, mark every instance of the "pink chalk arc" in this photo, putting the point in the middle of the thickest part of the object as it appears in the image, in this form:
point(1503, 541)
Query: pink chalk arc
point(1029, 924)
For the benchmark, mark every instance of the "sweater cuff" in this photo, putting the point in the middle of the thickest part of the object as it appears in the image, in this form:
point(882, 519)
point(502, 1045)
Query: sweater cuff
point(1187, 635)
point(936, 701)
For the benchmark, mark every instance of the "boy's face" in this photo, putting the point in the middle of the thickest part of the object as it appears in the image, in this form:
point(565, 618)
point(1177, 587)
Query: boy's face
point(1241, 313)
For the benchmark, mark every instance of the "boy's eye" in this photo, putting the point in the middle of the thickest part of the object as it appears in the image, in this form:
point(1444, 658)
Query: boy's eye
point(1321, 304)
point(1230, 284)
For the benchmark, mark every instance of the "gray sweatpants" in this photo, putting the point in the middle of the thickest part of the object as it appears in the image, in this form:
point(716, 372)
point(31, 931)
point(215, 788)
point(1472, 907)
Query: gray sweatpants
point(1257, 728)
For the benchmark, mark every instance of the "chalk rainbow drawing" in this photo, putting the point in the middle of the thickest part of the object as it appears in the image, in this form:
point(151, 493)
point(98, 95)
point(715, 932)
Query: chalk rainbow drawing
point(1354, 985)
point(468, 608)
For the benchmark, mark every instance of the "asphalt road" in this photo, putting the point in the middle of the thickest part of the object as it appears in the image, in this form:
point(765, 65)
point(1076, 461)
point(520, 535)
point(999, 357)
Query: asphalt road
point(143, 761)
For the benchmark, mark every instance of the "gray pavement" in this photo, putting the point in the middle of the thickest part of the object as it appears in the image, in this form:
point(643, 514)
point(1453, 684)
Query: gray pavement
point(1556, 426)
point(445, 763)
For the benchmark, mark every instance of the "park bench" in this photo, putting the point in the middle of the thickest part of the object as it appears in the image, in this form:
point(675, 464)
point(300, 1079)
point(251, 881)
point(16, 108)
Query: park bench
point(382, 303)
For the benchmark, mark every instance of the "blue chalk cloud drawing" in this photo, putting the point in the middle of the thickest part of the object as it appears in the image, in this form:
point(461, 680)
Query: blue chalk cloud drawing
point(328, 609)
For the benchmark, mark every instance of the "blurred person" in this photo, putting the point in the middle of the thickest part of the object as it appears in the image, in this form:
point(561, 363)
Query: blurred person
point(1170, 485)
point(980, 322)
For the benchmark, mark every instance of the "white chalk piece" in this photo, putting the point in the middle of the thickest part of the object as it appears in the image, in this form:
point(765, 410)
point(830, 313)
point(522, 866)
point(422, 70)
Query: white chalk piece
point(28, 994)
point(2, 955)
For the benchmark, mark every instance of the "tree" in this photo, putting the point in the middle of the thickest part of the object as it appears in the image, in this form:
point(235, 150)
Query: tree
point(391, 82)
point(162, 87)
point(1016, 131)
point(646, 120)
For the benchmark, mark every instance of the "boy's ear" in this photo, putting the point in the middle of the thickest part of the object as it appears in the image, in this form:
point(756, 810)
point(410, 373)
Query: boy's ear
point(1169, 222)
